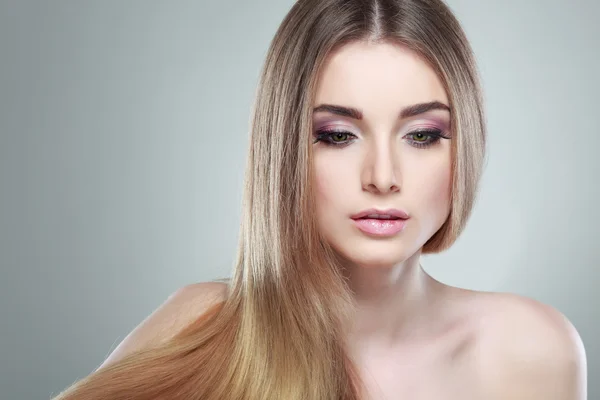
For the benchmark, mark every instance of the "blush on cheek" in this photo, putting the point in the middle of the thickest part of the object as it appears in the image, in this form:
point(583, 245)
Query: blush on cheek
point(320, 185)
point(440, 194)
point(322, 199)
point(324, 179)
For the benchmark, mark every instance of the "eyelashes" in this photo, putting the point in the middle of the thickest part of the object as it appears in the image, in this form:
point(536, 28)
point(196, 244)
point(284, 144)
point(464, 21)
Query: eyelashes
point(421, 138)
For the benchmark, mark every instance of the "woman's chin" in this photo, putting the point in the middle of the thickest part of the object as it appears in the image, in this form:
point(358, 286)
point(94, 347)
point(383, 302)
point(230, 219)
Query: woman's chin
point(375, 259)
point(378, 263)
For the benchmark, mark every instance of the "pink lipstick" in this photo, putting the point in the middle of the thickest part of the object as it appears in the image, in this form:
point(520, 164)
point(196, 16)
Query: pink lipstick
point(381, 223)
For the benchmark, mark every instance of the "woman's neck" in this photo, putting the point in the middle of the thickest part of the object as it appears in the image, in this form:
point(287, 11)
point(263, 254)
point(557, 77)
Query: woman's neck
point(393, 304)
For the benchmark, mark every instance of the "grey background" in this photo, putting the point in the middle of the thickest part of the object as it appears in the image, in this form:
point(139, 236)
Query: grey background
point(123, 140)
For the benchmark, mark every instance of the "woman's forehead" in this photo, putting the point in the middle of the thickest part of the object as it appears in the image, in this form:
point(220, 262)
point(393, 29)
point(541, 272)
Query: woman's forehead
point(377, 78)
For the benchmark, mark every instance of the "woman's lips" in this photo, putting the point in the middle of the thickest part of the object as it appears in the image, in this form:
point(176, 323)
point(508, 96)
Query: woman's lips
point(380, 227)
point(390, 212)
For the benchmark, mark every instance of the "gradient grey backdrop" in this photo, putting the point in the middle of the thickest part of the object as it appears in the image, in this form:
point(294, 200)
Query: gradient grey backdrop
point(123, 141)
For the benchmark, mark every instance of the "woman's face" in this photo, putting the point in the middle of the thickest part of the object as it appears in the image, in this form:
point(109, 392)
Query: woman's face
point(378, 159)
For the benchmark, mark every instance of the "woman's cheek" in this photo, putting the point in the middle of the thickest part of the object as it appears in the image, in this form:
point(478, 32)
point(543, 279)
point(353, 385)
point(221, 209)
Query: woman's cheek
point(325, 176)
point(438, 196)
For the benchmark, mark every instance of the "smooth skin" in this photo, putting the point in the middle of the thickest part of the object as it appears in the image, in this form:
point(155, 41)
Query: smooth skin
point(413, 337)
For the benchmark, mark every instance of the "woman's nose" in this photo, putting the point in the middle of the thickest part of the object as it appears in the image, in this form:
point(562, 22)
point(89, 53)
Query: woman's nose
point(380, 174)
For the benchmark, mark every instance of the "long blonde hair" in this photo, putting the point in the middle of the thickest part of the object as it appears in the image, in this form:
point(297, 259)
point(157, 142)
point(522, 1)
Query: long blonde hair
point(279, 333)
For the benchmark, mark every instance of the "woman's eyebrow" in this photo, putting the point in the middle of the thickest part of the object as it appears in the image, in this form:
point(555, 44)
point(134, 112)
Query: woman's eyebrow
point(409, 111)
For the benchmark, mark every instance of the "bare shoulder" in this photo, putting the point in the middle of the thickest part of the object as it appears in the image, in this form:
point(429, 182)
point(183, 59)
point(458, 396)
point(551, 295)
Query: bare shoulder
point(527, 350)
point(180, 309)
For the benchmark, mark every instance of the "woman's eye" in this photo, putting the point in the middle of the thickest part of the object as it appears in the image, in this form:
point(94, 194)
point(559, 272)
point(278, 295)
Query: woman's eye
point(334, 138)
point(423, 139)
point(420, 137)
point(339, 136)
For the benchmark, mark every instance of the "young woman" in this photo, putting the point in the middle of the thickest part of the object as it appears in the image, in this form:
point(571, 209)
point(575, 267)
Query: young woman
point(367, 146)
